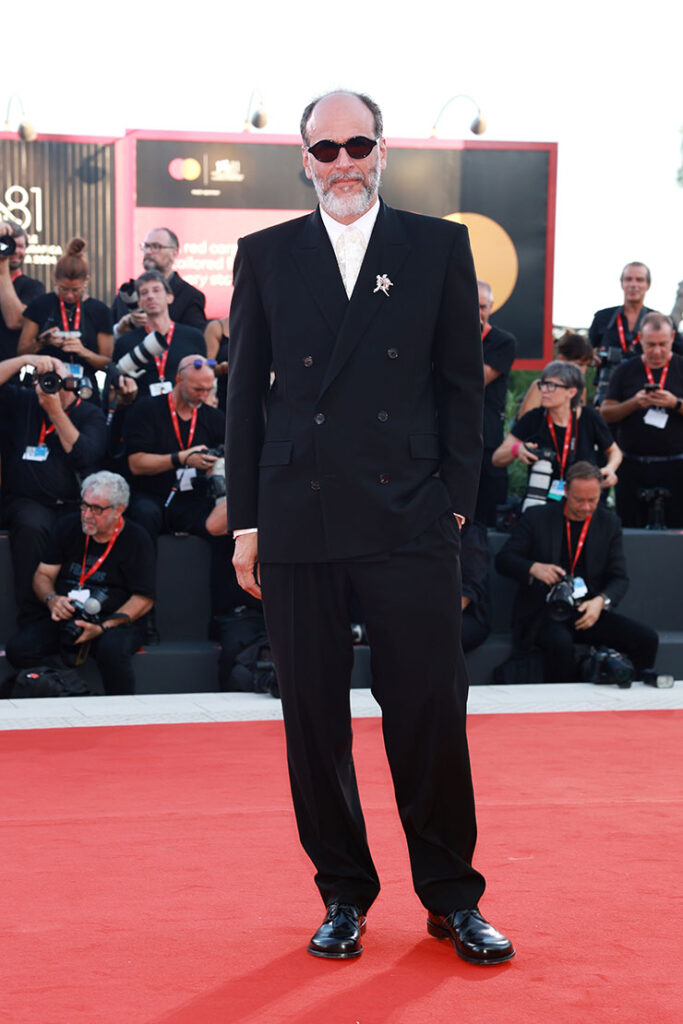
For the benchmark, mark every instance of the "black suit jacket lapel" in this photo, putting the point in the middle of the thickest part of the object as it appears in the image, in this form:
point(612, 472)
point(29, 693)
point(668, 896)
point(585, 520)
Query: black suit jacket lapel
point(386, 253)
point(314, 256)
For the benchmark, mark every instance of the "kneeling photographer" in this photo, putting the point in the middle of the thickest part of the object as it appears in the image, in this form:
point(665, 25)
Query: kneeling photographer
point(569, 561)
point(93, 587)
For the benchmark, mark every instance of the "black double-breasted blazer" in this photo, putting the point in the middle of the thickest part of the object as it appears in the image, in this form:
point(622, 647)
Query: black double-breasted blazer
point(372, 425)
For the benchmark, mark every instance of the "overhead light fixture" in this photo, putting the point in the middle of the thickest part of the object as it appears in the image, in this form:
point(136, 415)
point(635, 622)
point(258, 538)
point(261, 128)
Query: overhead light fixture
point(256, 116)
point(478, 125)
point(24, 129)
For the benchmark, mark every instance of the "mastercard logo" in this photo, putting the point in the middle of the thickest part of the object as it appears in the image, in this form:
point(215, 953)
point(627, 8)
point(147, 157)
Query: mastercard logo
point(184, 169)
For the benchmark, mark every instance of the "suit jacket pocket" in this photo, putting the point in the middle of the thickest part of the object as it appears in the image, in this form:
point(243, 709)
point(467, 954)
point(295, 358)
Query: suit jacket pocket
point(276, 453)
point(424, 446)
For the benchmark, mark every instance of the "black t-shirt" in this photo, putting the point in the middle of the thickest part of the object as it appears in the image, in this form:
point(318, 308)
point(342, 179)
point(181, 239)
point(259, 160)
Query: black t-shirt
point(27, 289)
point(95, 319)
point(604, 332)
point(500, 348)
point(186, 341)
point(149, 428)
point(592, 435)
point(634, 435)
point(128, 568)
point(54, 480)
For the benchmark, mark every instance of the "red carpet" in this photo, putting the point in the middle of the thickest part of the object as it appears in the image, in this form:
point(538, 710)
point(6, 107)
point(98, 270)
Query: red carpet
point(152, 875)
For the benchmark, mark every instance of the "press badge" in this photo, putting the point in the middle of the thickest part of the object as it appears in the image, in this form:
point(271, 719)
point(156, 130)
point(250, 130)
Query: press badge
point(580, 588)
point(36, 453)
point(81, 595)
point(656, 417)
point(75, 370)
point(185, 478)
point(556, 492)
point(160, 387)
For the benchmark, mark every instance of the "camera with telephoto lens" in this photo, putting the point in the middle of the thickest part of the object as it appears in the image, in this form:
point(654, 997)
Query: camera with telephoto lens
point(52, 382)
point(8, 245)
point(605, 665)
point(541, 474)
point(135, 362)
point(609, 356)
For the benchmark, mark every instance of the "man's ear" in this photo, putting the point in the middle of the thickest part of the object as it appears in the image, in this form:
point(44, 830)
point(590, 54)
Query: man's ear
point(306, 158)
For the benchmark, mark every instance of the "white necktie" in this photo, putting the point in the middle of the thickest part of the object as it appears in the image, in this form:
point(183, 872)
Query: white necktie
point(350, 250)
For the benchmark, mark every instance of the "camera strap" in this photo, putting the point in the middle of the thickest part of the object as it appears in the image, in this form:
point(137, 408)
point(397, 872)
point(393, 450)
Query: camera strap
point(662, 379)
point(569, 430)
point(162, 360)
point(65, 319)
point(582, 538)
point(98, 562)
point(176, 425)
point(45, 430)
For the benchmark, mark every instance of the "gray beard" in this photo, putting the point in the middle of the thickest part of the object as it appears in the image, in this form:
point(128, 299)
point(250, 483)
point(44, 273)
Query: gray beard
point(352, 205)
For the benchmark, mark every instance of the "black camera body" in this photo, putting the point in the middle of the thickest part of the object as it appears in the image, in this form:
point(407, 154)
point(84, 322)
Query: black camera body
point(609, 356)
point(128, 293)
point(605, 665)
point(655, 498)
point(52, 382)
point(562, 600)
point(87, 611)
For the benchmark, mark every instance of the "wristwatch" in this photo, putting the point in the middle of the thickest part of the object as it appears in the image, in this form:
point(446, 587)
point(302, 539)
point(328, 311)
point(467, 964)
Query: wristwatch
point(679, 403)
point(607, 602)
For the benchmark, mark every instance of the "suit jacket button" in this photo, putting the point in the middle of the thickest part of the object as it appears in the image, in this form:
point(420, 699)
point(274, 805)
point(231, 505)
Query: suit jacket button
point(319, 418)
point(382, 416)
point(315, 485)
point(308, 360)
point(383, 478)
point(392, 353)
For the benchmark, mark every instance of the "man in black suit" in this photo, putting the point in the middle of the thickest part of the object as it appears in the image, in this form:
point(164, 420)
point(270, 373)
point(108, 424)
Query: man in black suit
point(368, 450)
point(160, 251)
point(578, 536)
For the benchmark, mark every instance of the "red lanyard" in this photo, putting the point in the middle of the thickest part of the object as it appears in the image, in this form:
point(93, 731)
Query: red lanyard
point(622, 334)
point(45, 430)
point(14, 274)
point(176, 425)
point(567, 440)
point(65, 319)
point(662, 379)
point(162, 360)
point(485, 331)
point(95, 566)
point(582, 538)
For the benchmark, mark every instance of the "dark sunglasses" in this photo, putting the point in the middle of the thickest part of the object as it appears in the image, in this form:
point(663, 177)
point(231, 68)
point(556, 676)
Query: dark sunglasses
point(358, 147)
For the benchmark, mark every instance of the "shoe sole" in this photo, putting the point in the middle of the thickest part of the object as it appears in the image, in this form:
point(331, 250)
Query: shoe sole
point(440, 933)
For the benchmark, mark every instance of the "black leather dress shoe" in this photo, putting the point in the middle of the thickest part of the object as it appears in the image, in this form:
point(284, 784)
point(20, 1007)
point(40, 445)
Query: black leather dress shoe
point(475, 940)
point(338, 937)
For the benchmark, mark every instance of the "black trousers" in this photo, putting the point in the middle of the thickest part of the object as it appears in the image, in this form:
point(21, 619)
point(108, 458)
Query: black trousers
point(113, 651)
point(557, 640)
point(410, 601)
point(30, 526)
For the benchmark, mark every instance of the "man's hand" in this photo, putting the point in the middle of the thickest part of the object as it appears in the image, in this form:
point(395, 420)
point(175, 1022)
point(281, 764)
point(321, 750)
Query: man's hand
point(644, 399)
point(125, 392)
point(591, 612)
point(197, 457)
point(91, 631)
point(245, 561)
point(50, 404)
point(60, 608)
point(547, 573)
point(609, 477)
point(664, 399)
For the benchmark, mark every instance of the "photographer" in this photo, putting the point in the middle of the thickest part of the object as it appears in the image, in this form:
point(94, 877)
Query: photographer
point(51, 438)
point(166, 342)
point(579, 540)
point(160, 251)
point(563, 427)
point(93, 587)
point(615, 332)
point(645, 403)
point(16, 289)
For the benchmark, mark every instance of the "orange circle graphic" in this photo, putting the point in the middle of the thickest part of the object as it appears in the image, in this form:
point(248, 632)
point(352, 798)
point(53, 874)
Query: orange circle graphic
point(495, 256)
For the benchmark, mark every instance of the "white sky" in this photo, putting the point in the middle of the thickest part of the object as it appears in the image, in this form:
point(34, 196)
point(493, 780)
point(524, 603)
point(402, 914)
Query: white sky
point(602, 79)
